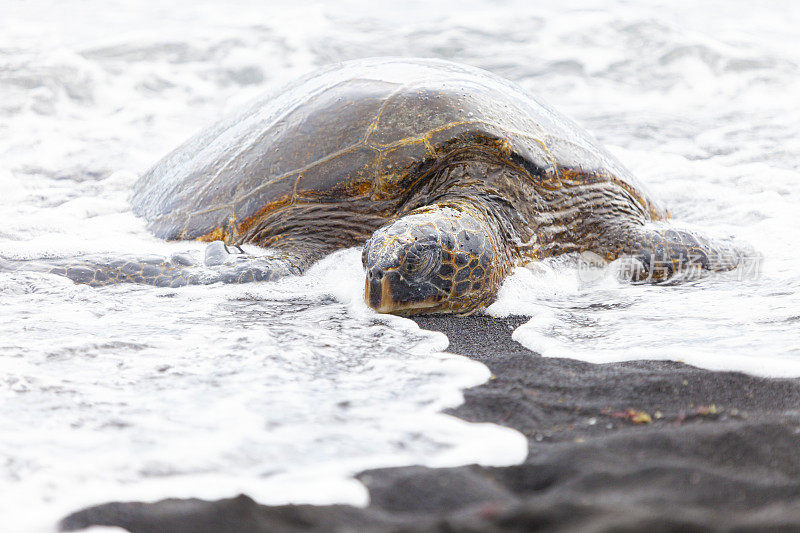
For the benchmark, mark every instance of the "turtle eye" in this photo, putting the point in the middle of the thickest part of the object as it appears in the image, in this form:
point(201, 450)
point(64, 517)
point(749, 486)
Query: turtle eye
point(420, 260)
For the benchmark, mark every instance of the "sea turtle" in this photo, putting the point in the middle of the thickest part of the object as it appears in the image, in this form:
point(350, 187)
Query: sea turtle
point(448, 176)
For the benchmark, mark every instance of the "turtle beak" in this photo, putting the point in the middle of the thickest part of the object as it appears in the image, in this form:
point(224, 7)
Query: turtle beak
point(378, 291)
point(383, 292)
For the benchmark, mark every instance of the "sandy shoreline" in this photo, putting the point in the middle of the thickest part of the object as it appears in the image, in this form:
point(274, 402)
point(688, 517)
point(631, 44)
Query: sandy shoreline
point(639, 445)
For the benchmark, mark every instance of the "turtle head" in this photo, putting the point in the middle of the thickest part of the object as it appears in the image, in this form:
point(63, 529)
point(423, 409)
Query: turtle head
point(434, 260)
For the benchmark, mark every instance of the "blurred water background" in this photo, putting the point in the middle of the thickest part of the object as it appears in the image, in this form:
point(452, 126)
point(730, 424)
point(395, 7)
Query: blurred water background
point(283, 390)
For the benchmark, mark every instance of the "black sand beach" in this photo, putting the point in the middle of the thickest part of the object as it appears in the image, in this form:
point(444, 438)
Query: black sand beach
point(656, 446)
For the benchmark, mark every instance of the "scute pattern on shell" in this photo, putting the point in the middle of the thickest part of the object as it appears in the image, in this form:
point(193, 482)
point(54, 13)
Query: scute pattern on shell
point(360, 131)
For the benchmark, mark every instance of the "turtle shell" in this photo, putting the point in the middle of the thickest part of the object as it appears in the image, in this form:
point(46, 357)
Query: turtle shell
point(360, 130)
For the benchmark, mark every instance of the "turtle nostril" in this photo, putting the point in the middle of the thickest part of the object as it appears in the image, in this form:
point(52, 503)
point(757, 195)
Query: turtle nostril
point(377, 274)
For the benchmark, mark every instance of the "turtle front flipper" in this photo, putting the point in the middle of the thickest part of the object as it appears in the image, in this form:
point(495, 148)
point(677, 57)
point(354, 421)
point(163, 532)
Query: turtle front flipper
point(176, 271)
point(663, 251)
point(97, 271)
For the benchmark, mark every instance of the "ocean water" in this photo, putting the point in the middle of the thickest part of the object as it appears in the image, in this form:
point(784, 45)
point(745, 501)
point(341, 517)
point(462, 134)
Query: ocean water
point(284, 390)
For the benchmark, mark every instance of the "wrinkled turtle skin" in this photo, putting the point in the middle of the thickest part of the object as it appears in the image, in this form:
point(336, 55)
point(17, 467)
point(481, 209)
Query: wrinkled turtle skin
point(448, 175)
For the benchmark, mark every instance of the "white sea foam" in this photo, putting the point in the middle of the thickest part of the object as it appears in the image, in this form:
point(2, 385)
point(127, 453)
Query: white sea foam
point(283, 390)
point(278, 390)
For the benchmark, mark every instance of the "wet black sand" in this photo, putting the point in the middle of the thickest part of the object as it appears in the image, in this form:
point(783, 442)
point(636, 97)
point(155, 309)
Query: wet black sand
point(640, 446)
